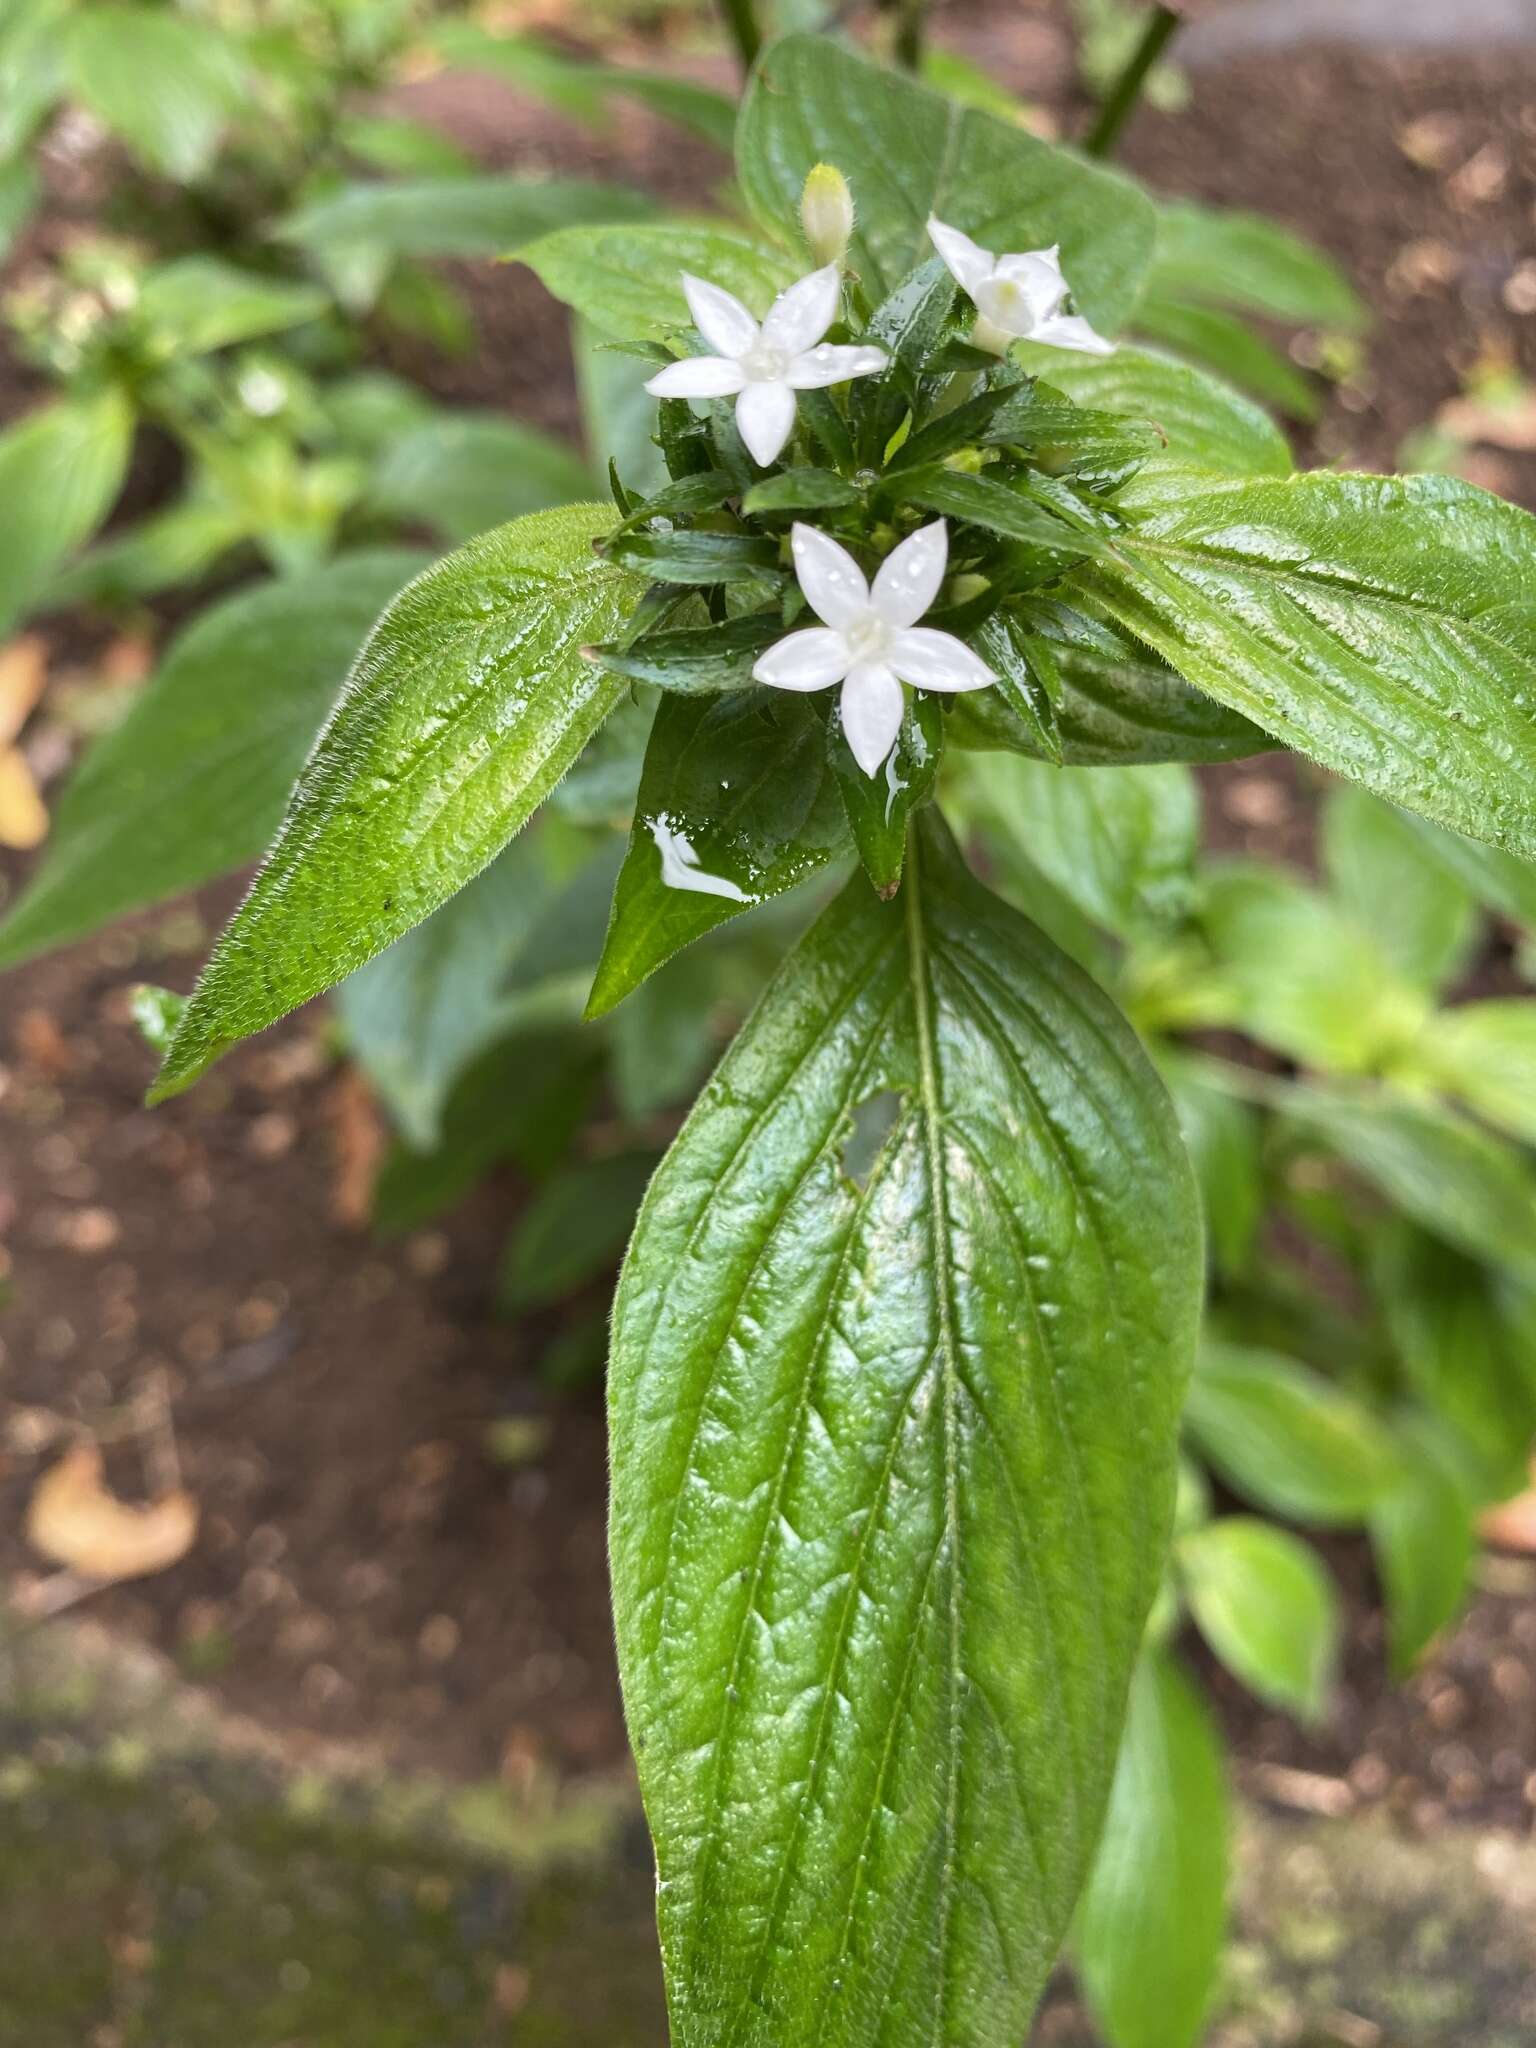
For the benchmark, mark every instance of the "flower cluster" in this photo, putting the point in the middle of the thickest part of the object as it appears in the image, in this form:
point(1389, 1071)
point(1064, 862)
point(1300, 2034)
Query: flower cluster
point(870, 639)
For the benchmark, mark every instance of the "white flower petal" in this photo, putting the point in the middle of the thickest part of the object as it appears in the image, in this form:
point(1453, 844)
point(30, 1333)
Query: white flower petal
point(698, 377)
point(812, 659)
point(932, 660)
point(1071, 330)
point(720, 317)
point(872, 708)
point(833, 363)
point(832, 580)
point(967, 263)
point(1037, 274)
point(765, 419)
point(800, 316)
point(908, 579)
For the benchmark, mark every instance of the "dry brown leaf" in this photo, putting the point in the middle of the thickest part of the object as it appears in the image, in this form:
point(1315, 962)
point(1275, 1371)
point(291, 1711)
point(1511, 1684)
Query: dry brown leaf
point(23, 672)
point(75, 1521)
point(23, 814)
point(359, 1142)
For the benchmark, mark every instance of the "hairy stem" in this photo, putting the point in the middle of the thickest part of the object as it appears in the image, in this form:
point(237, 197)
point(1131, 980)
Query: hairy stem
point(1120, 100)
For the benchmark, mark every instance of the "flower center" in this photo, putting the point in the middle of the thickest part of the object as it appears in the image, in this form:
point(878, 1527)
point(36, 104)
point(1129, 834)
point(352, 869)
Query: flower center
point(868, 638)
point(765, 364)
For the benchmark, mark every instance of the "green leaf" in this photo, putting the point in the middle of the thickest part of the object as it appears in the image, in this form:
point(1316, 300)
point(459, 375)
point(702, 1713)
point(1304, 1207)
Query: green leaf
point(665, 1036)
point(625, 281)
point(165, 83)
point(199, 303)
point(980, 501)
point(1464, 1338)
point(18, 196)
point(1422, 1532)
point(463, 472)
point(1486, 1054)
point(1222, 343)
point(1286, 1438)
point(1208, 425)
point(687, 556)
point(696, 660)
point(157, 1012)
point(1295, 971)
point(60, 469)
point(1418, 913)
point(1223, 1137)
point(573, 1230)
point(31, 70)
point(878, 806)
point(1119, 703)
point(178, 545)
point(907, 324)
point(192, 783)
point(737, 803)
point(618, 414)
point(1253, 264)
point(403, 148)
point(682, 101)
point(523, 1099)
point(800, 490)
point(1497, 880)
point(466, 706)
point(1120, 842)
point(884, 1533)
point(908, 152)
point(1153, 1922)
point(1265, 1604)
point(482, 216)
point(1028, 679)
point(1380, 624)
point(1444, 1171)
point(417, 1013)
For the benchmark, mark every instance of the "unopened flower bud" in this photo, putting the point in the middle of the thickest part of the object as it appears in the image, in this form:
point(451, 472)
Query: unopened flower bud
point(826, 213)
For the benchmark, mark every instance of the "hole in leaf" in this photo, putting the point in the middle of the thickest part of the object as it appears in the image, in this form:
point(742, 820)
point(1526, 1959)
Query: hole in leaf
point(871, 1124)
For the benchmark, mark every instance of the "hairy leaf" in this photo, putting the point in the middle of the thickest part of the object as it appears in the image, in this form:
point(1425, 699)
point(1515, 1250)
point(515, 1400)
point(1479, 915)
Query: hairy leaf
point(466, 706)
point(1381, 624)
point(893, 1461)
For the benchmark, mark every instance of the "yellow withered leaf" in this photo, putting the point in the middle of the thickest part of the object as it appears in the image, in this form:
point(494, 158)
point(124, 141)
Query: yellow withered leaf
point(73, 1519)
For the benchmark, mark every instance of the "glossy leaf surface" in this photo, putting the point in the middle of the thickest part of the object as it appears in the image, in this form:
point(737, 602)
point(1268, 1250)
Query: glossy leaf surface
point(625, 281)
point(893, 1468)
point(1381, 624)
point(466, 706)
point(1206, 422)
point(737, 803)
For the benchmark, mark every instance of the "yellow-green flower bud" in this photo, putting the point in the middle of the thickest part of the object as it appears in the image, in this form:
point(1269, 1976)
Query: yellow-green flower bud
point(826, 213)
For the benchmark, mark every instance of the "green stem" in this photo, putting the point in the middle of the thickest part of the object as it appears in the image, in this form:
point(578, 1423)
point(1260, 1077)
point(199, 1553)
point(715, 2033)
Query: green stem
point(1122, 96)
point(909, 34)
point(740, 17)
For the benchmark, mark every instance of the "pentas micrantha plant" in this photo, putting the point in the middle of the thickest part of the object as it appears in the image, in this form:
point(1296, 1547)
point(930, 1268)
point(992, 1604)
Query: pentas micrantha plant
point(902, 1336)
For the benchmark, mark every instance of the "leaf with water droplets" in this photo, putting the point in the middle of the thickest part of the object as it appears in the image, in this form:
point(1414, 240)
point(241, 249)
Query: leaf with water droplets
point(893, 1435)
point(466, 706)
point(737, 803)
point(1381, 624)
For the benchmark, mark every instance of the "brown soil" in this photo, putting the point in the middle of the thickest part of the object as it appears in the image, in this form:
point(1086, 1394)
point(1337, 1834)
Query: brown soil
point(368, 1569)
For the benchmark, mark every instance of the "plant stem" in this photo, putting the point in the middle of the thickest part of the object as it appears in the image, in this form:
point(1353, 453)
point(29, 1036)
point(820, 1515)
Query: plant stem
point(1122, 96)
point(909, 34)
point(740, 18)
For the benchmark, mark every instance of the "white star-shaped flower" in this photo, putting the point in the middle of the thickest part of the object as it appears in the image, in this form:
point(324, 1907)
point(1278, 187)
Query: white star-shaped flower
point(1017, 298)
point(765, 364)
point(871, 642)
